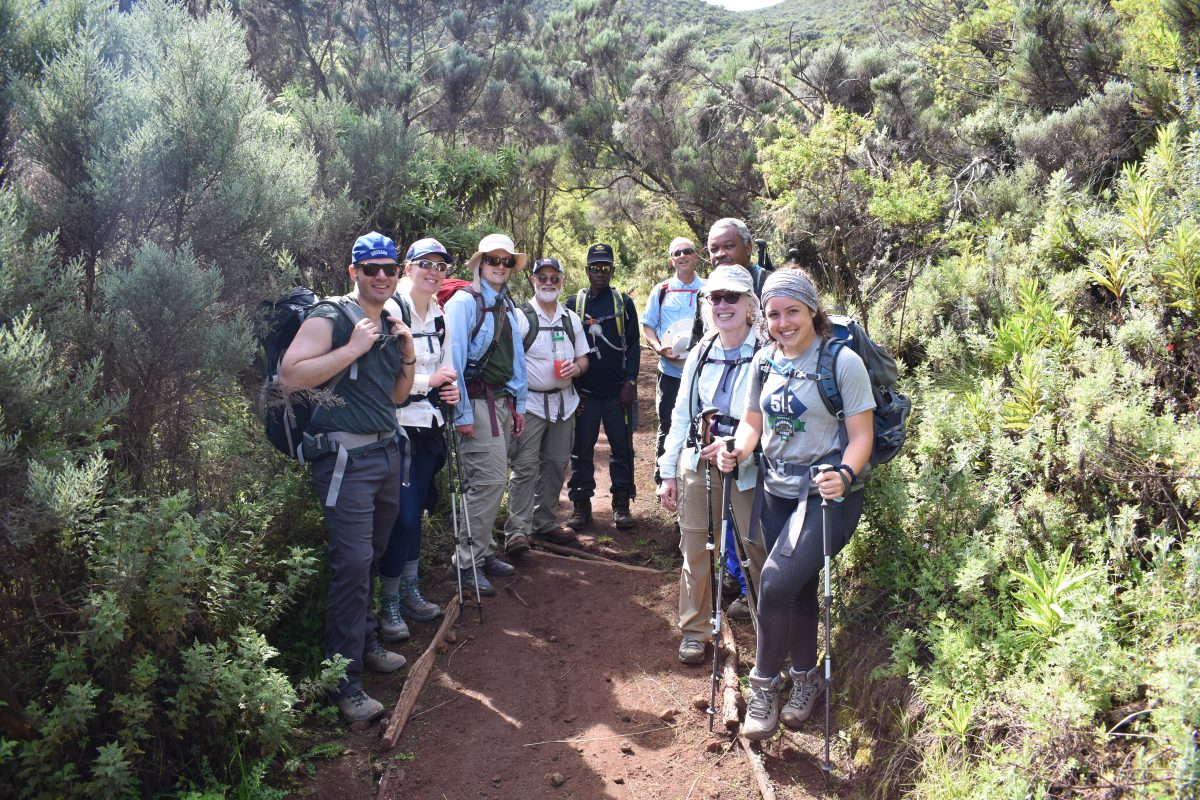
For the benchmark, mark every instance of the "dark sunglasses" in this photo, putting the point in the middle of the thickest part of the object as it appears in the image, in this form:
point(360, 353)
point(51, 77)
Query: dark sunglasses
point(684, 251)
point(554, 279)
point(439, 266)
point(497, 261)
point(371, 270)
point(600, 269)
point(728, 298)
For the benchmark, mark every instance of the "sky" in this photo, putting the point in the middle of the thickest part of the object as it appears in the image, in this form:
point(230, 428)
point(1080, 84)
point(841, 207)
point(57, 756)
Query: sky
point(744, 5)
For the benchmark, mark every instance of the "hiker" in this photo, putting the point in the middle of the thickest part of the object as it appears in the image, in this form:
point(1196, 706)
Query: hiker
point(730, 242)
point(425, 266)
point(667, 325)
point(609, 390)
point(490, 363)
point(556, 352)
point(716, 375)
point(798, 434)
point(356, 453)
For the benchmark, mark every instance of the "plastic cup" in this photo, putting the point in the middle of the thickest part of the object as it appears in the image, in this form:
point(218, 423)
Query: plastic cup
point(559, 366)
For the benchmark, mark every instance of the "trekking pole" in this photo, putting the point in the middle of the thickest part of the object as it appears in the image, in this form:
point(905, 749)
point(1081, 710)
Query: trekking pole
point(714, 568)
point(454, 475)
point(827, 767)
point(738, 544)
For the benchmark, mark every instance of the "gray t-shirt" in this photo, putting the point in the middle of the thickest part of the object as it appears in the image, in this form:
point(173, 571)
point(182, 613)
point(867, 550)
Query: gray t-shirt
point(367, 405)
point(797, 428)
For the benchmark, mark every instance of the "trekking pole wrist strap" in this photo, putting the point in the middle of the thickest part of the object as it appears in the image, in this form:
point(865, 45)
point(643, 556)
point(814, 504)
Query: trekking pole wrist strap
point(853, 474)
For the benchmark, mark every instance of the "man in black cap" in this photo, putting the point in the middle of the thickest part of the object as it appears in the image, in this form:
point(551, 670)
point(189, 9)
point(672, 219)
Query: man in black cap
point(609, 390)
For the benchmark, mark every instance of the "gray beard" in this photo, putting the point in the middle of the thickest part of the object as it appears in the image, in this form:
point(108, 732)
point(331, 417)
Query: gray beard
point(548, 295)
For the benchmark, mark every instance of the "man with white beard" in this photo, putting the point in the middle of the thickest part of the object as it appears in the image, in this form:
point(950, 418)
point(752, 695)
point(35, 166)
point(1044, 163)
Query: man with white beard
point(556, 351)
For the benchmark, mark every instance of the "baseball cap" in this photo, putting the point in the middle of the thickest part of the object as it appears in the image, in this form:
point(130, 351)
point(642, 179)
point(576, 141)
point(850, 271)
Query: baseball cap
point(729, 278)
point(547, 262)
point(425, 247)
point(600, 254)
point(373, 245)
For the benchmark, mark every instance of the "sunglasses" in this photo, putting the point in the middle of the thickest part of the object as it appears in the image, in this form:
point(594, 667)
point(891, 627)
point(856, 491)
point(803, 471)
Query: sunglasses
point(497, 261)
point(684, 251)
point(600, 269)
point(371, 270)
point(728, 298)
point(437, 266)
point(551, 279)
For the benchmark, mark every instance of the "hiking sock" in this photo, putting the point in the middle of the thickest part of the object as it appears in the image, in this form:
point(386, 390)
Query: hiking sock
point(410, 569)
point(389, 585)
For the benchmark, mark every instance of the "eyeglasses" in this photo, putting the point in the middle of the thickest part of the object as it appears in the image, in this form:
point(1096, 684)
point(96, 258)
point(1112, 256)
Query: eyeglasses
point(551, 279)
point(437, 266)
point(497, 261)
point(371, 270)
point(600, 269)
point(684, 251)
point(728, 298)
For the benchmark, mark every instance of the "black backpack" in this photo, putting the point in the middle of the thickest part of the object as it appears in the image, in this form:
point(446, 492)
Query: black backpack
point(287, 412)
point(891, 407)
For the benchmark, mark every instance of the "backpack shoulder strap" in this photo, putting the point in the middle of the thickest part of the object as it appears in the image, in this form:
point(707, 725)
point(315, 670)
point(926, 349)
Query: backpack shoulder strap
point(396, 305)
point(439, 327)
point(662, 291)
point(531, 334)
point(827, 370)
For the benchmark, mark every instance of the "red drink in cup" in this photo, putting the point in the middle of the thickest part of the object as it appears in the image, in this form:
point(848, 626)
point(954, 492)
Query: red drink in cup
point(559, 365)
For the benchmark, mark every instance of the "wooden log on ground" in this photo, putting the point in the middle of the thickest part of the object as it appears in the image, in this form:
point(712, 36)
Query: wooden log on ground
point(732, 693)
point(756, 767)
point(559, 551)
point(417, 677)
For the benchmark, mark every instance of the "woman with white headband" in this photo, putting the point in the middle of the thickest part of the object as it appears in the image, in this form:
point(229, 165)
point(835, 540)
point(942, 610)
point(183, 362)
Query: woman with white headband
point(715, 378)
point(785, 411)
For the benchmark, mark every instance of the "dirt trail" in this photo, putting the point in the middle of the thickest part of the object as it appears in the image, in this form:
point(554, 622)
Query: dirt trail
point(570, 688)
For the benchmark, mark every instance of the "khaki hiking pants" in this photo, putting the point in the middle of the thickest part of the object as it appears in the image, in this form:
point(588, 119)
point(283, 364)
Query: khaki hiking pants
point(485, 470)
point(695, 598)
point(539, 466)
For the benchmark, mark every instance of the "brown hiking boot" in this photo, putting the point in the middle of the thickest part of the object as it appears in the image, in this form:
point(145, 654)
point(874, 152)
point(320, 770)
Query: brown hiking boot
point(621, 516)
point(581, 516)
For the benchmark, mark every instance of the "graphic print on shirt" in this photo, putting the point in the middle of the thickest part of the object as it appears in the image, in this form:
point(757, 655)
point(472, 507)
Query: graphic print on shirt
point(783, 410)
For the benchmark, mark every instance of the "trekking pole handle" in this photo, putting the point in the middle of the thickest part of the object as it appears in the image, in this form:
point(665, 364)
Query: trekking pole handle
point(822, 469)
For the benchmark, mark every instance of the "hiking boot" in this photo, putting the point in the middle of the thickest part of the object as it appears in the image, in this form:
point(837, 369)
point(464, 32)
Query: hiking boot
point(496, 568)
point(557, 535)
point(359, 706)
point(378, 659)
point(621, 516)
point(762, 712)
point(516, 543)
point(391, 624)
point(739, 609)
point(581, 516)
point(730, 584)
point(413, 605)
point(806, 690)
point(471, 577)
point(691, 651)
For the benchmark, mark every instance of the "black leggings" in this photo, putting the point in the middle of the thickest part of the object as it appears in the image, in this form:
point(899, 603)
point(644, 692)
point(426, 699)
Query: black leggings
point(788, 597)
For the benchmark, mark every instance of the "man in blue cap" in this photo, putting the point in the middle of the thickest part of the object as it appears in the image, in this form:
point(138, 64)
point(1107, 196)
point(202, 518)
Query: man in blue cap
point(352, 348)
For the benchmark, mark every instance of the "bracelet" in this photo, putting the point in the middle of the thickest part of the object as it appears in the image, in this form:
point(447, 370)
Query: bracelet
point(853, 474)
point(408, 363)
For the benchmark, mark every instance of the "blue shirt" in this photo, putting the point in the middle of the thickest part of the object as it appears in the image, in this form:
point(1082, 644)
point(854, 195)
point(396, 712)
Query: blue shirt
point(462, 313)
point(679, 303)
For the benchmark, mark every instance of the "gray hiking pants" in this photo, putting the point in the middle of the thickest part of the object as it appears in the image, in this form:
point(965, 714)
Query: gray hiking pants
point(539, 466)
point(788, 601)
point(359, 528)
point(484, 460)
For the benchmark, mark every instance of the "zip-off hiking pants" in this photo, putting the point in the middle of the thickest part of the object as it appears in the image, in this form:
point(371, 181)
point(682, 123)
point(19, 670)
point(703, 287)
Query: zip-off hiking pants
point(484, 460)
point(539, 467)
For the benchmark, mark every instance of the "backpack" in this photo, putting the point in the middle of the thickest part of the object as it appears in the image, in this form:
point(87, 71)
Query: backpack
point(891, 407)
point(535, 326)
point(286, 414)
point(618, 313)
point(454, 285)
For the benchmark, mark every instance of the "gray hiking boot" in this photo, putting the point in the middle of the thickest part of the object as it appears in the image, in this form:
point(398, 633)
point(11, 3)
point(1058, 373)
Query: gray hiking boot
point(378, 659)
point(359, 706)
point(762, 712)
point(691, 651)
point(496, 568)
point(472, 576)
point(391, 624)
point(807, 688)
point(413, 605)
point(581, 516)
point(739, 609)
point(622, 517)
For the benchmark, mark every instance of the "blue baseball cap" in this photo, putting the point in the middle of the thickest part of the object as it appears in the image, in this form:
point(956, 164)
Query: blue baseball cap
point(425, 247)
point(373, 245)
